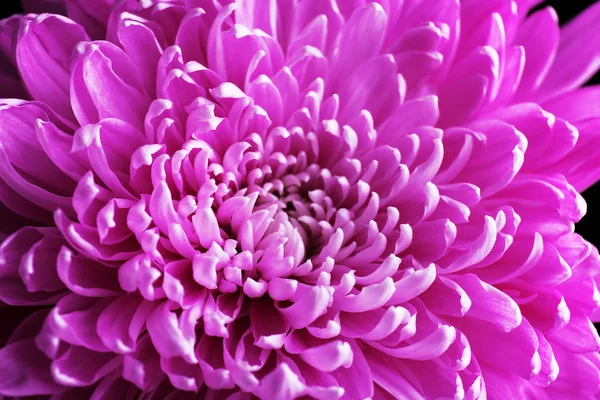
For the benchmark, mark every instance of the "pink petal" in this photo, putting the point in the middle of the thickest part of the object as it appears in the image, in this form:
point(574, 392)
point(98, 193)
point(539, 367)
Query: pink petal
point(103, 86)
point(39, 50)
point(577, 59)
point(23, 375)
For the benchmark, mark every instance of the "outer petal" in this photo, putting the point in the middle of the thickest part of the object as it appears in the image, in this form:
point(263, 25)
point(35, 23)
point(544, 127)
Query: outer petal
point(578, 58)
point(26, 370)
point(43, 51)
point(581, 166)
point(539, 36)
point(104, 85)
point(24, 165)
point(93, 17)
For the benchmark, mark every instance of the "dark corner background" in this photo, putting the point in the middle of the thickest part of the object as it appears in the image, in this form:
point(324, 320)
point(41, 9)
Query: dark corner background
point(10, 7)
point(587, 227)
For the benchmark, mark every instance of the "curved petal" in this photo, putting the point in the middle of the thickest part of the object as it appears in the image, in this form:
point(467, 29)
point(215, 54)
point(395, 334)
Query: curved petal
point(43, 52)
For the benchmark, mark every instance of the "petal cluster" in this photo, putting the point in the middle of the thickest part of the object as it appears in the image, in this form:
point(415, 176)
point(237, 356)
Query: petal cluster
point(297, 199)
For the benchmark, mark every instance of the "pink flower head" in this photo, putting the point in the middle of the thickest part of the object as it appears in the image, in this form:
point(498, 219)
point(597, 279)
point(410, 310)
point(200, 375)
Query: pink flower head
point(306, 198)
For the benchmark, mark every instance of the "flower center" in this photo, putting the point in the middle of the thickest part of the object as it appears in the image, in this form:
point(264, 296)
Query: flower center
point(287, 219)
point(245, 208)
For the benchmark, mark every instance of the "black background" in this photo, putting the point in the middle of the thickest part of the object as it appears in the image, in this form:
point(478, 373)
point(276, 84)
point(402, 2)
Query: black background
point(10, 7)
point(566, 10)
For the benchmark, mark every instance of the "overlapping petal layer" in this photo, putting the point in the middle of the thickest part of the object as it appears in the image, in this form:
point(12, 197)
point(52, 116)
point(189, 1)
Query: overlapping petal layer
point(285, 199)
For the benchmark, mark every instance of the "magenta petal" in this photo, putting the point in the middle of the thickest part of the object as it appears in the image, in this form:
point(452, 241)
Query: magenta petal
point(370, 297)
point(120, 324)
point(281, 384)
point(519, 346)
point(391, 381)
point(109, 160)
point(543, 23)
point(268, 325)
point(81, 367)
point(490, 304)
point(581, 327)
point(357, 379)
point(192, 35)
point(575, 105)
point(373, 86)
point(23, 374)
point(446, 297)
point(12, 85)
point(40, 181)
point(39, 51)
point(141, 44)
point(73, 321)
point(410, 115)
point(584, 152)
point(307, 308)
point(508, 158)
point(58, 144)
point(412, 283)
point(329, 357)
point(93, 17)
point(576, 59)
point(578, 377)
point(28, 267)
point(167, 335)
point(278, 199)
point(103, 86)
point(86, 277)
point(430, 347)
point(142, 367)
point(209, 351)
point(362, 37)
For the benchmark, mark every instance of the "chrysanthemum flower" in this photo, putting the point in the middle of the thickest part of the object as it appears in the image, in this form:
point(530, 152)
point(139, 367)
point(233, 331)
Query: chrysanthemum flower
point(298, 198)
